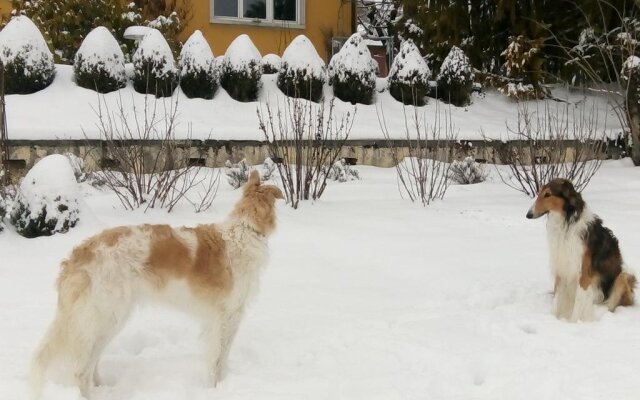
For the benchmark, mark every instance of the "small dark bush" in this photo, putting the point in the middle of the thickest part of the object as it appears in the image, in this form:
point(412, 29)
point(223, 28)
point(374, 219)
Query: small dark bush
point(154, 67)
point(455, 80)
point(97, 66)
point(197, 68)
point(352, 72)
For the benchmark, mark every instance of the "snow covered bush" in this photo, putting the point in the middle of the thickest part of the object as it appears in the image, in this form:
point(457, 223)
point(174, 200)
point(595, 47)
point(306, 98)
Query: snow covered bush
point(342, 172)
point(467, 171)
point(455, 80)
point(99, 63)
point(302, 73)
point(352, 72)
point(523, 67)
point(271, 64)
point(409, 75)
point(241, 71)
point(28, 62)
point(47, 200)
point(197, 68)
point(154, 69)
point(238, 173)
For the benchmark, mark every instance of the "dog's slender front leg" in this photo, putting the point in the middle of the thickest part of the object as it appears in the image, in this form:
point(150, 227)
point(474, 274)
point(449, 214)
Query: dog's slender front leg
point(229, 330)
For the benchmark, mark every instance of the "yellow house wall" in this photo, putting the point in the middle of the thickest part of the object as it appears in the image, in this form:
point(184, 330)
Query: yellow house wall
point(323, 19)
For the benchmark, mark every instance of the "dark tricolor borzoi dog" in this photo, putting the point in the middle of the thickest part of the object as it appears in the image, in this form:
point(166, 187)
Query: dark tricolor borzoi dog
point(585, 257)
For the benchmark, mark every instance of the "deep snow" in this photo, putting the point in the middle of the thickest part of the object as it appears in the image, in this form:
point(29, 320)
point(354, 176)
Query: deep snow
point(366, 296)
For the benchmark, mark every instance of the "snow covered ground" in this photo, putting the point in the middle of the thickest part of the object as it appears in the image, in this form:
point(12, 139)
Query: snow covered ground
point(367, 296)
point(66, 111)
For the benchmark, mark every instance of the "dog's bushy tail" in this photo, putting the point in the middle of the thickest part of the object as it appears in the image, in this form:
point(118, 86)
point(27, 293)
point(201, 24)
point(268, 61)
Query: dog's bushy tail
point(623, 291)
point(48, 350)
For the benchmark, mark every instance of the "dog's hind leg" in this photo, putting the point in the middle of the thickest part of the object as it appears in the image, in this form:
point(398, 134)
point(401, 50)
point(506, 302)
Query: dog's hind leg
point(622, 293)
point(50, 348)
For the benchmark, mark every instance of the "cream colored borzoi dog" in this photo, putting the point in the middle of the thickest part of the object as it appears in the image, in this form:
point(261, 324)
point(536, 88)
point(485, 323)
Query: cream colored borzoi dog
point(210, 271)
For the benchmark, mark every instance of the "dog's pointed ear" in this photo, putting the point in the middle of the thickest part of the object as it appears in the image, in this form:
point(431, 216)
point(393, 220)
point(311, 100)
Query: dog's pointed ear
point(254, 179)
point(276, 192)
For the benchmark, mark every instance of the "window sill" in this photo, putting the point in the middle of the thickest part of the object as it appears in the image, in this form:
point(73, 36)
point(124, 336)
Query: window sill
point(258, 23)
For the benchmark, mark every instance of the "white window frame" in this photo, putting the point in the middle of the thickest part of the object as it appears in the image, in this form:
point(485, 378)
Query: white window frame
point(269, 21)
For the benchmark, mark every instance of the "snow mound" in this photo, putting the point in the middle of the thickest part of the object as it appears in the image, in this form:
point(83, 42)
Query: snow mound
point(631, 63)
point(154, 47)
point(301, 55)
point(271, 63)
point(242, 54)
point(47, 201)
point(196, 55)
point(408, 66)
point(100, 54)
point(456, 67)
point(353, 58)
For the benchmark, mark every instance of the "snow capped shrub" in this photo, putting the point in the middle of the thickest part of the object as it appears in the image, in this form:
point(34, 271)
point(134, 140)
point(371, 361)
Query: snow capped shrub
point(352, 72)
point(271, 64)
point(47, 201)
point(28, 62)
point(238, 173)
point(99, 63)
point(523, 64)
point(409, 75)
point(197, 68)
point(153, 65)
point(455, 80)
point(467, 171)
point(240, 71)
point(342, 172)
point(302, 74)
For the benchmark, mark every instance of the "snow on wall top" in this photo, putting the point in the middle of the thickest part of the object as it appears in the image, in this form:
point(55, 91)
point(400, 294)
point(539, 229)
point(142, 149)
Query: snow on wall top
point(154, 47)
point(21, 36)
point(242, 53)
point(409, 66)
point(456, 66)
point(353, 57)
point(101, 48)
point(302, 55)
point(196, 55)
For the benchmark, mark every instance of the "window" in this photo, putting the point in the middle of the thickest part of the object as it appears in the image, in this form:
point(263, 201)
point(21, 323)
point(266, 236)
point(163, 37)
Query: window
point(267, 11)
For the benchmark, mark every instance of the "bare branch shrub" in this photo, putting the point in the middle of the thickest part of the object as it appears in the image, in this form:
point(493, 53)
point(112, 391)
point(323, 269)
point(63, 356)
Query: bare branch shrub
point(547, 143)
point(422, 157)
point(305, 140)
point(146, 166)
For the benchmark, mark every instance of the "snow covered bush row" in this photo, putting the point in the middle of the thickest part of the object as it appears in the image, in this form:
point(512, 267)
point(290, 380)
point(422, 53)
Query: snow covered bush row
point(352, 72)
point(28, 62)
point(409, 76)
point(47, 200)
point(302, 71)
